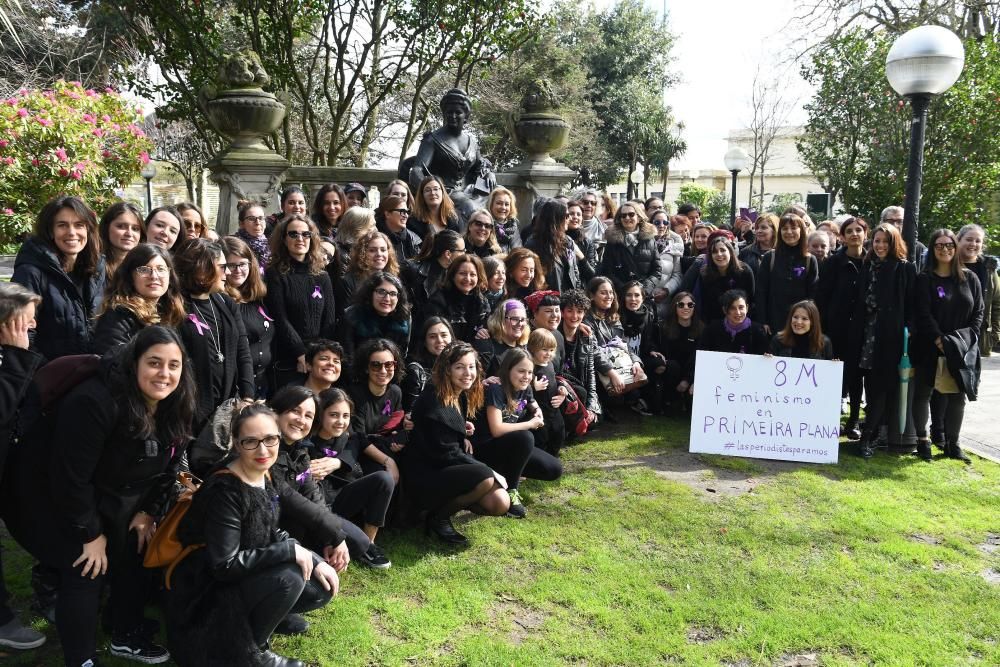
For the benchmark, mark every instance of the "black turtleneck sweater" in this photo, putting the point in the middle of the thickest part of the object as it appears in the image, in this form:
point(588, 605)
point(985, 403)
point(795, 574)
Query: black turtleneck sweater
point(303, 308)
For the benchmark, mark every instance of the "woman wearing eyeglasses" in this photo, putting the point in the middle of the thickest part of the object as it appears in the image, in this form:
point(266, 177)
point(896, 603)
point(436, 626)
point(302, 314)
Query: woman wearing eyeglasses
point(480, 236)
point(679, 336)
point(246, 286)
point(391, 218)
point(369, 254)
point(299, 296)
point(378, 404)
point(380, 310)
point(508, 327)
point(144, 292)
point(251, 231)
point(949, 313)
point(630, 253)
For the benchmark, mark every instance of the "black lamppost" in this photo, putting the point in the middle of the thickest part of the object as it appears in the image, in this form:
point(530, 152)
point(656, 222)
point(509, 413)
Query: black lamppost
point(924, 62)
point(149, 173)
point(736, 160)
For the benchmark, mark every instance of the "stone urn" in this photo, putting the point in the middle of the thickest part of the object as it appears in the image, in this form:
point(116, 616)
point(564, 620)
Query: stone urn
point(536, 127)
point(239, 108)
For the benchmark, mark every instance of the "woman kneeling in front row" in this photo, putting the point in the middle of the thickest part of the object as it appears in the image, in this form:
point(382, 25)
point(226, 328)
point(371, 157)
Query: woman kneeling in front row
point(228, 597)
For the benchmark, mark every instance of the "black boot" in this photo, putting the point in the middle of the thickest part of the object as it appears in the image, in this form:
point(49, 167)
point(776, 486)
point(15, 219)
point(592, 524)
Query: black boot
point(867, 449)
point(851, 431)
point(441, 528)
point(954, 451)
point(267, 658)
point(937, 437)
point(924, 449)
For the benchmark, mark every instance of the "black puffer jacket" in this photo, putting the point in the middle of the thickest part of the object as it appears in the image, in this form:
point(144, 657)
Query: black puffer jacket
point(405, 243)
point(623, 263)
point(68, 307)
point(115, 328)
point(466, 313)
point(17, 368)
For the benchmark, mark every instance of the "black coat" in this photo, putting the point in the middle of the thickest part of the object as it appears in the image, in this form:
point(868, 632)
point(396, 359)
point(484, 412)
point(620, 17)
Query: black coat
point(361, 323)
point(508, 234)
point(423, 229)
point(565, 271)
point(115, 328)
point(87, 473)
point(438, 436)
point(751, 340)
point(65, 316)
point(260, 328)
point(894, 295)
point(422, 280)
point(750, 255)
point(347, 449)
point(304, 513)
point(622, 263)
point(942, 306)
point(783, 279)
point(682, 351)
point(708, 289)
point(578, 362)
point(800, 348)
point(466, 313)
point(300, 317)
point(837, 297)
point(642, 333)
point(405, 243)
point(17, 367)
point(234, 376)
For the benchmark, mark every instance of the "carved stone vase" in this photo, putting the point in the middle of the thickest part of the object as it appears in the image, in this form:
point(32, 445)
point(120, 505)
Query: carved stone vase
point(536, 127)
point(245, 116)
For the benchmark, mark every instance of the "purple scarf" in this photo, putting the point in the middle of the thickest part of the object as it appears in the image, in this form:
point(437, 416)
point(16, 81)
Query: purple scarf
point(259, 246)
point(742, 326)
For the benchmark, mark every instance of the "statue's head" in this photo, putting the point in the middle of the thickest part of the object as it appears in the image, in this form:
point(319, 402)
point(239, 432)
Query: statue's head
point(456, 107)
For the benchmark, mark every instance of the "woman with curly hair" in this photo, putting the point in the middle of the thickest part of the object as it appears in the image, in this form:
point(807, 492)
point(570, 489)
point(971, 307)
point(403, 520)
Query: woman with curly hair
point(299, 296)
point(370, 253)
point(442, 476)
point(380, 310)
point(145, 292)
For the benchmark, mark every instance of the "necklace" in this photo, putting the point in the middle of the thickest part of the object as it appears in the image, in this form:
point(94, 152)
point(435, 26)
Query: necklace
point(216, 337)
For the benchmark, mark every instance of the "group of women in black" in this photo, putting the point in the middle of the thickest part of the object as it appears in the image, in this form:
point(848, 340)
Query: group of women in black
point(412, 364)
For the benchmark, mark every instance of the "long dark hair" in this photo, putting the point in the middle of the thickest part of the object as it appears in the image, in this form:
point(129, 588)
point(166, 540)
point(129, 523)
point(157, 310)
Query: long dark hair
point(815, 335)
point(435, 245)
point(168, 309)
point(104, 228)
point(550, 233)
point(324, 225)
point(366, 291)
point(955, 265)
point(672, 327)
point(87, 261)
point(174, 413)
point(419, 351)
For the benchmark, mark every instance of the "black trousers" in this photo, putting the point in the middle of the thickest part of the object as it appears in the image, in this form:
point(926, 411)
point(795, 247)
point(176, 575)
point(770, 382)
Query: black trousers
point(514, 455)
point(273, 593)
point(367, 498)
point(6, 615)
point(77, 607)
point(877, 387)
point(952, 410)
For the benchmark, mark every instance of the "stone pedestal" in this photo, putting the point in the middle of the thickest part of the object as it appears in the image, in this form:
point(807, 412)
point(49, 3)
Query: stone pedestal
point(246, 174)
point(538, 179)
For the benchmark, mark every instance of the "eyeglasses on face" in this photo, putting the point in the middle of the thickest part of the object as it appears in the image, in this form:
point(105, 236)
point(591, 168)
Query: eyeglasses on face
point(432, 191)
point(484, 225)
point(384, 293)
point(376, 366)
point(401, 211)
point(589, 202)
point(147, 271)
point(516, 321)
point(628, 214)
point(251, 444)
point(255, 218)
point(292, 234)
point(944, 246)
point(238, 266)
point(685, 304)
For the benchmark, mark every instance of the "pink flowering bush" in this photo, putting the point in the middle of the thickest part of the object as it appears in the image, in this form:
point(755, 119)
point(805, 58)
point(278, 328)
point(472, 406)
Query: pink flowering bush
point(65, 140)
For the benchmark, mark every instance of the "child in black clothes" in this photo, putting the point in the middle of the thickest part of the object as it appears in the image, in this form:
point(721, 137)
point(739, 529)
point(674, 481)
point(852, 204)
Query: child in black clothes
point(542, 347)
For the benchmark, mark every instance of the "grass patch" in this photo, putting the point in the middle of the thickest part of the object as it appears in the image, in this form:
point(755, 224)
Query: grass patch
point(877, 562)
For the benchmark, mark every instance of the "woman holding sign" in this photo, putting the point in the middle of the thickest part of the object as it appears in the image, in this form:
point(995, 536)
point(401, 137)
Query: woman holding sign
point(884, 308)
point(949, 307)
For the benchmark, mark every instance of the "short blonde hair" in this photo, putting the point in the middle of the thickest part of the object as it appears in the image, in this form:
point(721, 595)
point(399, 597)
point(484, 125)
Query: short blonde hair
point(541, 339)
point(495, 323)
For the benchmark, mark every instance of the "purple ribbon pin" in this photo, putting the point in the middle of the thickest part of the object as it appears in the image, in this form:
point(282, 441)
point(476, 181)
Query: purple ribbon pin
point(798, 271)
point(199, 325)
point(263, 313)
point(521, 405)
point(940, 291)
point(329, 452)
point(387, 408)
point(316, 293)
point(303, 476)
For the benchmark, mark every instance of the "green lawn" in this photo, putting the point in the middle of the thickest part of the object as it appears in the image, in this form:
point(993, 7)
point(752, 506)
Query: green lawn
point(630, 560)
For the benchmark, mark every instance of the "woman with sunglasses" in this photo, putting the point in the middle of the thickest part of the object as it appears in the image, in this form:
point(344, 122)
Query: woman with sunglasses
point(145, 292)
point(227, 599)
point(195, 224)
point(669, 250)
point(480, 235)
point(246, 286)
point(630, 253)
point(391, 218)
point(680, 334)
point(299, 296)
point(949, 314)
point(380, 310)
point(378, 405)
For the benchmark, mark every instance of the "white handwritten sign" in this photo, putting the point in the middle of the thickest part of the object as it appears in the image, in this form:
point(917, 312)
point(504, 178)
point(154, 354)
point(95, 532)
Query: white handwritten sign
point(766, 407)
